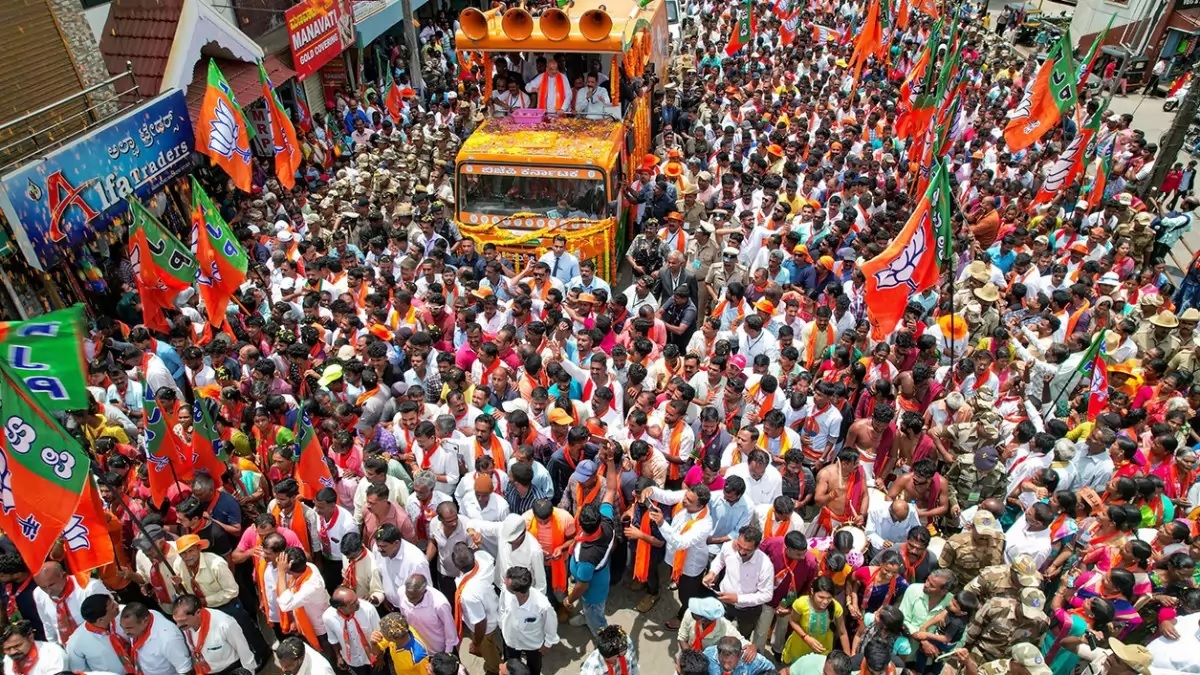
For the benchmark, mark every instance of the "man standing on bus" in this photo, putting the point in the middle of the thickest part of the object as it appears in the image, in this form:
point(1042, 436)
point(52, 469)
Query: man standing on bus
point(592, 101)
point(552, 89)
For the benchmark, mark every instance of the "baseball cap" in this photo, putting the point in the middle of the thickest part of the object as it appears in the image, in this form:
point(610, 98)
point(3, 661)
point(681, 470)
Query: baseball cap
point(584, 471)
point(560, 416)
point(985, 523)
point(1026, 570)
point(1033, 603)
point(1031, 658)
point(986, 458)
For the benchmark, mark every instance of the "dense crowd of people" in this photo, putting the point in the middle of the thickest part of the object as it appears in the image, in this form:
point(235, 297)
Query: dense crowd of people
point(726, 436)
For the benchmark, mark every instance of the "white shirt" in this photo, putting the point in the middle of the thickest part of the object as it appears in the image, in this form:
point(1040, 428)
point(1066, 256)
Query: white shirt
point(365, 618)
point(225, 644)
point(752, 580)
point(1171, 656)
point(528, 555)
point(881, 527)
point(529, 626)
point(694, 541)
point(93, 651)
point(315, 663)
point(48, 611)
point(478, 595)
point(592, 102)
point(760, 490)
point(1020, 539)
point(1026, 465)
point(311, 596)
point(409, 561)
point(443, 462)
point(494, 512)
point(413, 506)
point(51, 661)
point(751, 347)
point(165, 652)
point(343, 524)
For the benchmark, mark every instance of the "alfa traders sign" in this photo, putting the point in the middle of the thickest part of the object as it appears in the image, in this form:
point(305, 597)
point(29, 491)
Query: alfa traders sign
point(318, 31)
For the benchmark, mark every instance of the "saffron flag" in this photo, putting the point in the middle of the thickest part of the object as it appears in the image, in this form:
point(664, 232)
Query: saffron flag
point(164, 459)
point(869, 41)
point(1071, 161)
point(1051, 93)
point(207, 447)
point(1095, 191)
point(303, 116)
point(283, 133)
point(162, 266)
point(392, 99)
point(86, 542)
point(820, 33)
point(928, 7)
point(912, 262)
point(311, 470)
point(221, 130)
point(46, 353)
point(221, 262)
point(43, 471)
point(918, 93)
point(743, 30)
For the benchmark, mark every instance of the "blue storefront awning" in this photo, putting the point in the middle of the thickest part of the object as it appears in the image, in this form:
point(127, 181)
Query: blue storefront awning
point(375, 17)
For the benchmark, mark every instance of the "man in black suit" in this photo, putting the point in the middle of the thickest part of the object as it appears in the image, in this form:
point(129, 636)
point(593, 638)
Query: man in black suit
point(672, 276)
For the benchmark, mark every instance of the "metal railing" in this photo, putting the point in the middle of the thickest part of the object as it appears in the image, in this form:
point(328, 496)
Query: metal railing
point(40, 131)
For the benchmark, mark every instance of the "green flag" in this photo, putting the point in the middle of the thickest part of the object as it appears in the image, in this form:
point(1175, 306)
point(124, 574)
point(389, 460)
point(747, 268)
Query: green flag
point(940, 210)
point(47, 354)
point(162, 266)
point(43, 470)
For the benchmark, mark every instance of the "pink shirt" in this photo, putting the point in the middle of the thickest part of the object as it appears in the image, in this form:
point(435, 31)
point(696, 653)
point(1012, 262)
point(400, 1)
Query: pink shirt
point(250, 538)
point(433, 619)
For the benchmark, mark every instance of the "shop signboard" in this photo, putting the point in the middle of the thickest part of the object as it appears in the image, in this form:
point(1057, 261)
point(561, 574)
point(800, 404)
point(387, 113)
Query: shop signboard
point(318, 30)
point(54, 200)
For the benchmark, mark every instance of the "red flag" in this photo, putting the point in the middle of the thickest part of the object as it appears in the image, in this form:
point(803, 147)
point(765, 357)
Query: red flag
point(311, 470)
point(1098, 395)
point(303, 116)
point(86, 542)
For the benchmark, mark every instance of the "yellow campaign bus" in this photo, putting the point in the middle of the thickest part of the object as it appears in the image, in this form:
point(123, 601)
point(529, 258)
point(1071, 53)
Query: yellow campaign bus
point(523, 177)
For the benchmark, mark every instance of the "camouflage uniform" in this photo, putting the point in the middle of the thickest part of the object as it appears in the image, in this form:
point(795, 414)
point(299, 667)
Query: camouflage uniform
point(994, 582)
point(997, 667)
point(997, 626)
point(966, 558)
point(969, 487)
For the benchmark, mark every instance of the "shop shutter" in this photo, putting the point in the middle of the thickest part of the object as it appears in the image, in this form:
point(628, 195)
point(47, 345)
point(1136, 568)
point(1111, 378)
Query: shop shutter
point(36, 71)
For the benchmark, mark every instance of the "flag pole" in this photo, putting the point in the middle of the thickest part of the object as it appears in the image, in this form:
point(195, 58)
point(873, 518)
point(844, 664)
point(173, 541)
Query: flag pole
point(140, 526)
point(1098, 344)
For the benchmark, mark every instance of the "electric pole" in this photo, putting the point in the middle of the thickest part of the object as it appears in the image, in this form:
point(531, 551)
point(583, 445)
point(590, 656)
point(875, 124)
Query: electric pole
point(414, 47)
point(1172, 142)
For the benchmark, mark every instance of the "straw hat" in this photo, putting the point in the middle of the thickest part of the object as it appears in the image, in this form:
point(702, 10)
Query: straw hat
point(988, 293)
point(1165, 319)
point(189, 540)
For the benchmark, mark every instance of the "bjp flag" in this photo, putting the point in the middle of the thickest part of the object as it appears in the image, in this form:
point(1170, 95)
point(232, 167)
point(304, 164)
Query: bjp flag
point(287, 146)
point(1047, 97)
point(311, 470)
point(221, 130)
point(86, 540)
point(221, 261)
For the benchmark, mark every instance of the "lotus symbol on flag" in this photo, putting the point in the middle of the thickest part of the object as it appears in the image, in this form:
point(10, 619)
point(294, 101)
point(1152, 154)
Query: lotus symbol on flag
point(6, 492)
point(900, 271)
point(76, 534)
point(224, 137)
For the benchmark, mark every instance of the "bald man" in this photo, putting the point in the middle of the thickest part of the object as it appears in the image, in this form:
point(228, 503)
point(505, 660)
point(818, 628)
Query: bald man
point(888, 524)
point(349, 624)
point(58, 590)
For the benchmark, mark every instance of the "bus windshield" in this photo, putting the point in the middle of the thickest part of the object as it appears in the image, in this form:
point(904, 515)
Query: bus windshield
point(502, 194)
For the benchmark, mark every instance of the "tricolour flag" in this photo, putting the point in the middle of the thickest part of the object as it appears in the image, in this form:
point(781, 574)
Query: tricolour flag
point(222, 131)
point(162, 266)
point(46, 353)
point(743, 30)
point(287, 146)
point(913, 261)
point(86, 542)
point(311, 470)
point(43, 471)
point(221, 262)
point(1051, 93)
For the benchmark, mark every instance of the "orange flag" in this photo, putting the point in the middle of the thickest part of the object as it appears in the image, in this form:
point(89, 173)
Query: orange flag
point(869, 41)
point(1046, 99)
point(283, 133)
point(86, 542)
point(221, 130)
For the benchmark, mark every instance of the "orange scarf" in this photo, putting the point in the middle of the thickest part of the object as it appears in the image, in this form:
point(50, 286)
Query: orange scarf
point(720, 311)
point(134, 648)
point(362, 637)
point(680, 238)
point(26, 665)
point(496, 449)
point(641, 556)
point(297, 620)
point(813, 357)
point(199, 663)
point(119, 644)
point(1073, 320)
point(773, 529)
point(681, 556)
point(66, 621)
point(296, 524)
point(765, 406)
point(701, 633)
point(558, 567)
point(675, 447)
point(560, 90)
point(366, 396)
point(462, 585)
